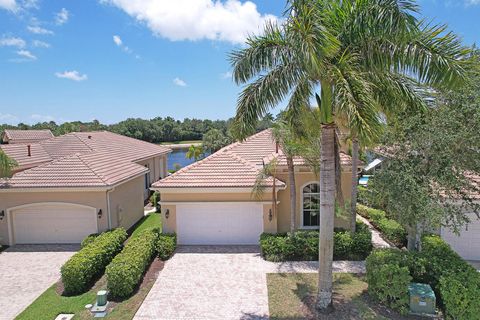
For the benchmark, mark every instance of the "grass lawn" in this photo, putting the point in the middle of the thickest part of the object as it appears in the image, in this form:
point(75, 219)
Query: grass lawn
point(182, 142)
point(292, 296)
point(51, 302)
point(152, 220)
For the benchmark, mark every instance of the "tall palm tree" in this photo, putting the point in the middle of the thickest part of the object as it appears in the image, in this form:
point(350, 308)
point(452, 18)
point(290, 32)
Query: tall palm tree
point(322, 45)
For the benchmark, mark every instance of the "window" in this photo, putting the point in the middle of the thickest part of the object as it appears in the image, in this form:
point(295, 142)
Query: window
point(311, 205)
point(147, 178)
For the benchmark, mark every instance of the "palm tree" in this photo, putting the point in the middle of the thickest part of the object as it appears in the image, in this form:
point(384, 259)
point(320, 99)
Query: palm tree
point(358, 54)
point(194, 152)
point(6, 165)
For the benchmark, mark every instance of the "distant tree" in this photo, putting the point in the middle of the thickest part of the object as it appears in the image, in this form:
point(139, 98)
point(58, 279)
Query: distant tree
point(6, 165)
point(214, 140)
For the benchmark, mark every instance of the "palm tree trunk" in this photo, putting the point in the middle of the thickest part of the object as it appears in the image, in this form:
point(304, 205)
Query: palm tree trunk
point(327, 215)
point(353, 199)
point(293, 193)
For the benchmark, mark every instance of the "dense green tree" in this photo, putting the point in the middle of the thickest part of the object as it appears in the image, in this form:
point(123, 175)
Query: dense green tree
point(432, 158)
point(214, 140)
point(6, 165)
point(322, 45)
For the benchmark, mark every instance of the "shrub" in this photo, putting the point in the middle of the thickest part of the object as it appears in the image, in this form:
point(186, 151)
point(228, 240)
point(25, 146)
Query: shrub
point(166, 245)
point(460, 292)
point(303, 245)
point(363, 195)
point(388, 278)
point(84, 266)
point(126, 269)
point(89, 239)
point(391, 229)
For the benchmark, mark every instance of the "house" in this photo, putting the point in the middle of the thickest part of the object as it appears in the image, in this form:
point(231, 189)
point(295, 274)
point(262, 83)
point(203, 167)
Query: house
point(467, 243)
point(11, 136)
point(67, 187)
point(210, 202)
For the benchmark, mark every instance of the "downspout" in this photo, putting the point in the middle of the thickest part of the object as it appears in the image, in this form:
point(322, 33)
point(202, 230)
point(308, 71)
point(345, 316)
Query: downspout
point(109, 215)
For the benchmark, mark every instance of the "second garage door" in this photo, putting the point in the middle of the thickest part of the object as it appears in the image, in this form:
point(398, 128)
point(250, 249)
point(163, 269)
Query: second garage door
point(467, 244)
point(219, 223)
point(53, 223)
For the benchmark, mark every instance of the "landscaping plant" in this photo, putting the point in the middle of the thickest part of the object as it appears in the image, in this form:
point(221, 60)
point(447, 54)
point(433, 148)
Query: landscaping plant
point(84, 266)
point(127, 268)
point(166, 245)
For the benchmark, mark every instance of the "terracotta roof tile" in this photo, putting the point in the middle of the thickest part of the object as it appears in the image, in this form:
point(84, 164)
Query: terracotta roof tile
point(86, 159)
point(15, 136)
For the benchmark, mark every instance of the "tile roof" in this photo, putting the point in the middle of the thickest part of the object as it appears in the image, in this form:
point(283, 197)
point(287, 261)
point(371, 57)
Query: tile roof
point(27, 135)
point(80, 159)
point(236, 165)
point(345, 160)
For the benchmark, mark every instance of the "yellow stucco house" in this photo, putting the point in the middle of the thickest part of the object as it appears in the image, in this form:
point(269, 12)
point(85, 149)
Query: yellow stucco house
point(210, 202)
point(67, 187)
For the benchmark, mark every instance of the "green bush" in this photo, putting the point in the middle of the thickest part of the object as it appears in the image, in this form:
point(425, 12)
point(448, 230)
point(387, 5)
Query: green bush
point(388, 278)
point(88, 239)
point(363, 195)
point(303, 245)
point(84, 266)
point(126, 269)
point(391, 229)
point(460, 292)
point(166, 245)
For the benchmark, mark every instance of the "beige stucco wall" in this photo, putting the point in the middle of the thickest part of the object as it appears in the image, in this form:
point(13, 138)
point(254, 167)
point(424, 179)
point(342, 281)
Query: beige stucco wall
point(10, 200)
point(158, 170)
point(280, 221)
point(126, 203)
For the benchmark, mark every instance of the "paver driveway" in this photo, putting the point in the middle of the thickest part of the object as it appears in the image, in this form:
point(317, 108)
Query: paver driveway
point(214, 282)
point(26, 271)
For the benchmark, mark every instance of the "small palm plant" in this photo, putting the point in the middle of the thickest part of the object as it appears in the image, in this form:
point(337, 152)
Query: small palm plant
point(194, 152)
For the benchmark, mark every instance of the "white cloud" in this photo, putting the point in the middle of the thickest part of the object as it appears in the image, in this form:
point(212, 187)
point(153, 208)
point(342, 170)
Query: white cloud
point(117, 40)
point(62, 16)
point(12, 42)
point(71, 75)
point(228, 21)
point(39, 30)
point(40, 44)
point(472, 2)
point(26, 54)
point(8, 118)
point(226, 75)
point(179, 82)
point(41, 118)
point(10, 5)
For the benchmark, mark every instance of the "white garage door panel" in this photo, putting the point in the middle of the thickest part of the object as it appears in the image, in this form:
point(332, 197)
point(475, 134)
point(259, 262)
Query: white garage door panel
point(219, 224)
point(467, 245)
point(53, 223)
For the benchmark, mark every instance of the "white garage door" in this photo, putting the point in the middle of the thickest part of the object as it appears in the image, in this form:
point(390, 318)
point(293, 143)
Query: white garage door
point(219, 224)
point(467, 245)
point(53, 223)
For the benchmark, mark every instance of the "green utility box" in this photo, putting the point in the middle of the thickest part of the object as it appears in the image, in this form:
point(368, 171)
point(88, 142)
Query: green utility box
point(422, 299)
point(101, 298)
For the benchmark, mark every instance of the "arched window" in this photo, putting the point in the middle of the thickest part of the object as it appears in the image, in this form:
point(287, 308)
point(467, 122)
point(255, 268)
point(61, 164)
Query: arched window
point(311, 205)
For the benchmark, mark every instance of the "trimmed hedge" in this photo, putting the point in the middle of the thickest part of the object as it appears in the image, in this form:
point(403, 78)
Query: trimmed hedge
point(88, 239)
point(127, 268)
point(84, 266)
point(388, 278)
point(392, 230)
point(166, 245)
point(455, 282)
point(303, 245)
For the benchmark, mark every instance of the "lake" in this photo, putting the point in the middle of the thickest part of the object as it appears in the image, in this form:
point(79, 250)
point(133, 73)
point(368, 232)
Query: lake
point(178, 156)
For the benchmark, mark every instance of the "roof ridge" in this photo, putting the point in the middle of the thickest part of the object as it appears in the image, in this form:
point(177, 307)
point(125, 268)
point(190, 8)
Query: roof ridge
point(192, 165)
point(244, 161)
point(81, 140)
point(236, 143)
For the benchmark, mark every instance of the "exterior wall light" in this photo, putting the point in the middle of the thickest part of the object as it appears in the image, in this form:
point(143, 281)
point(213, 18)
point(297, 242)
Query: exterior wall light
point(2, 214)
point(99, 214)
point(270, 215)
point(167, 213)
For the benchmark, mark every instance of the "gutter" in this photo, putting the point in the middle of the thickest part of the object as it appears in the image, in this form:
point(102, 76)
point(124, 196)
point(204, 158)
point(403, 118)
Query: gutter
point(109, 214)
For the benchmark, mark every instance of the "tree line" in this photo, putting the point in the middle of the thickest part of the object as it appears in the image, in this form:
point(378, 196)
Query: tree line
point(154, 130)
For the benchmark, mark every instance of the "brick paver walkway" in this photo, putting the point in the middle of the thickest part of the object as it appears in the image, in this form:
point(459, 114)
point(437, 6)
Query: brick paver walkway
point(26, 271)
point(215, 282)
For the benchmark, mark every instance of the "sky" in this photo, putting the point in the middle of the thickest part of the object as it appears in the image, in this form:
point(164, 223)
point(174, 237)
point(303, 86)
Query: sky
point(66, 60)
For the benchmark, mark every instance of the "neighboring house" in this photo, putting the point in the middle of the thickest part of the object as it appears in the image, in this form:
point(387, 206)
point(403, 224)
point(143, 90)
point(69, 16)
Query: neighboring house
point(211, 201)
point(67, 187)
point(467, 243)
point(11, 136)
